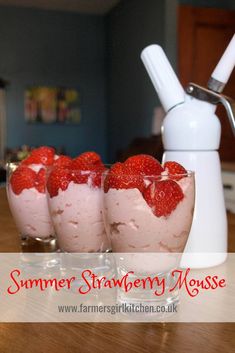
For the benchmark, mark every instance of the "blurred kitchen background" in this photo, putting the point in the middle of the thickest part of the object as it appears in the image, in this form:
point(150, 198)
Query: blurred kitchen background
point(93, 46)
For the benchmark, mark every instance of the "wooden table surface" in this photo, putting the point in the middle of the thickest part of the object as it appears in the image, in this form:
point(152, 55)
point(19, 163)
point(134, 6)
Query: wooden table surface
point(108, 337)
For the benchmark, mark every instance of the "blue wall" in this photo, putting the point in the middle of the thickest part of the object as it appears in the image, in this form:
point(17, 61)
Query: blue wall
point(99, 55)
point(131, 26)
point(54, 48)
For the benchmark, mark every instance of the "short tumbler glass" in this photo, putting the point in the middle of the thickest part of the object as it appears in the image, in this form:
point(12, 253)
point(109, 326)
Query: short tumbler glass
point(149, 226)
point(76, 211)
point(30, 211)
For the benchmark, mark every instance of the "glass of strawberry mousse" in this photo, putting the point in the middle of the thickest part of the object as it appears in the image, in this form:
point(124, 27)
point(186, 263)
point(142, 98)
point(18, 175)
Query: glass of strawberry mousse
point(26, 191)
point(148, 211)
point(75, 202)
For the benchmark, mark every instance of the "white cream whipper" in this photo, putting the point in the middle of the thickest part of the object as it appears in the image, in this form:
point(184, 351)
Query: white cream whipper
point(191, 136)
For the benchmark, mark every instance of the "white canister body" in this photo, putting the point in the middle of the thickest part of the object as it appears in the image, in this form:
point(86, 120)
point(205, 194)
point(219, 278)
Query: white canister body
point(209, 229)
point(191, 136)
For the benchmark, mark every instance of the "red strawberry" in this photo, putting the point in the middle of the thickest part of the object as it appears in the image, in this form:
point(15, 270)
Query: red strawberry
point(85, 160)
point(80, 176)
point(62, 161)
point(42, 155)
point(87, 166)
point(163, 197)
point(79, 164)
point(144, 164)
point(40, 182)
point(59, 178)
point(174, 168)
point(92, 172)
point(122, 177)
point(22, 178)
point(112, 177)
point(90, 157)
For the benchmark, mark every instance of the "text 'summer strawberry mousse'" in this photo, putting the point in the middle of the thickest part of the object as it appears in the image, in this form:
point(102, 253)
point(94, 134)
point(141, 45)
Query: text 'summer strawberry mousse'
point(27, 194)
point(75, 202)
point(147, 207)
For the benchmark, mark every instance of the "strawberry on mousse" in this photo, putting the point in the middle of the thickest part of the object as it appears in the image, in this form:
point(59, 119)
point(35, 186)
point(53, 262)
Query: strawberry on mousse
point(75, 202)
point(27, 194)
point(148, 207)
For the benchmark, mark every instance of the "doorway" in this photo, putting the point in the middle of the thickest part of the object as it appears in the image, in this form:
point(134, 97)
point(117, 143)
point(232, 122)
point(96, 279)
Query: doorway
point(203, 35)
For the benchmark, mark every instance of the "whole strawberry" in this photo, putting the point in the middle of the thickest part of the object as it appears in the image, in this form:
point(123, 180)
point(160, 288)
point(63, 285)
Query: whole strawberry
point(22, 178)
point(163, 197)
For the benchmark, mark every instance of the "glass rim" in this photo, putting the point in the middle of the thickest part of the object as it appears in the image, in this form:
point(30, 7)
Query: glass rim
point(14, 165)
point(189, 173)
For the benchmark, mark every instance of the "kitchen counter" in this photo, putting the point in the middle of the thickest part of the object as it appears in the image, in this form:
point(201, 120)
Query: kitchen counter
point(106, 337)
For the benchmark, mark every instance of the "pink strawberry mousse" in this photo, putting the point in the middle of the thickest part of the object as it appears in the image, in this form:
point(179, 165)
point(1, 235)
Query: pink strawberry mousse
point(30, 212)
point(133, 227)
point(77, 217)
point(26, 194)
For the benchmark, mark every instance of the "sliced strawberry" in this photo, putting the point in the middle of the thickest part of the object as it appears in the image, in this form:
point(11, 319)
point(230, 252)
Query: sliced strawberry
point(42, 155)
point(87, 166)
point(85, 160)
point(90, 157)
point(163, 197)
point(112, 177)
point(80, 176)
point(40, 182)
point(174, 168)
point(79, 164)
point(22, 178)
point(62, 161)
point(59, 178)
point(92, 173)
point(144, 164)
point(122, 177)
